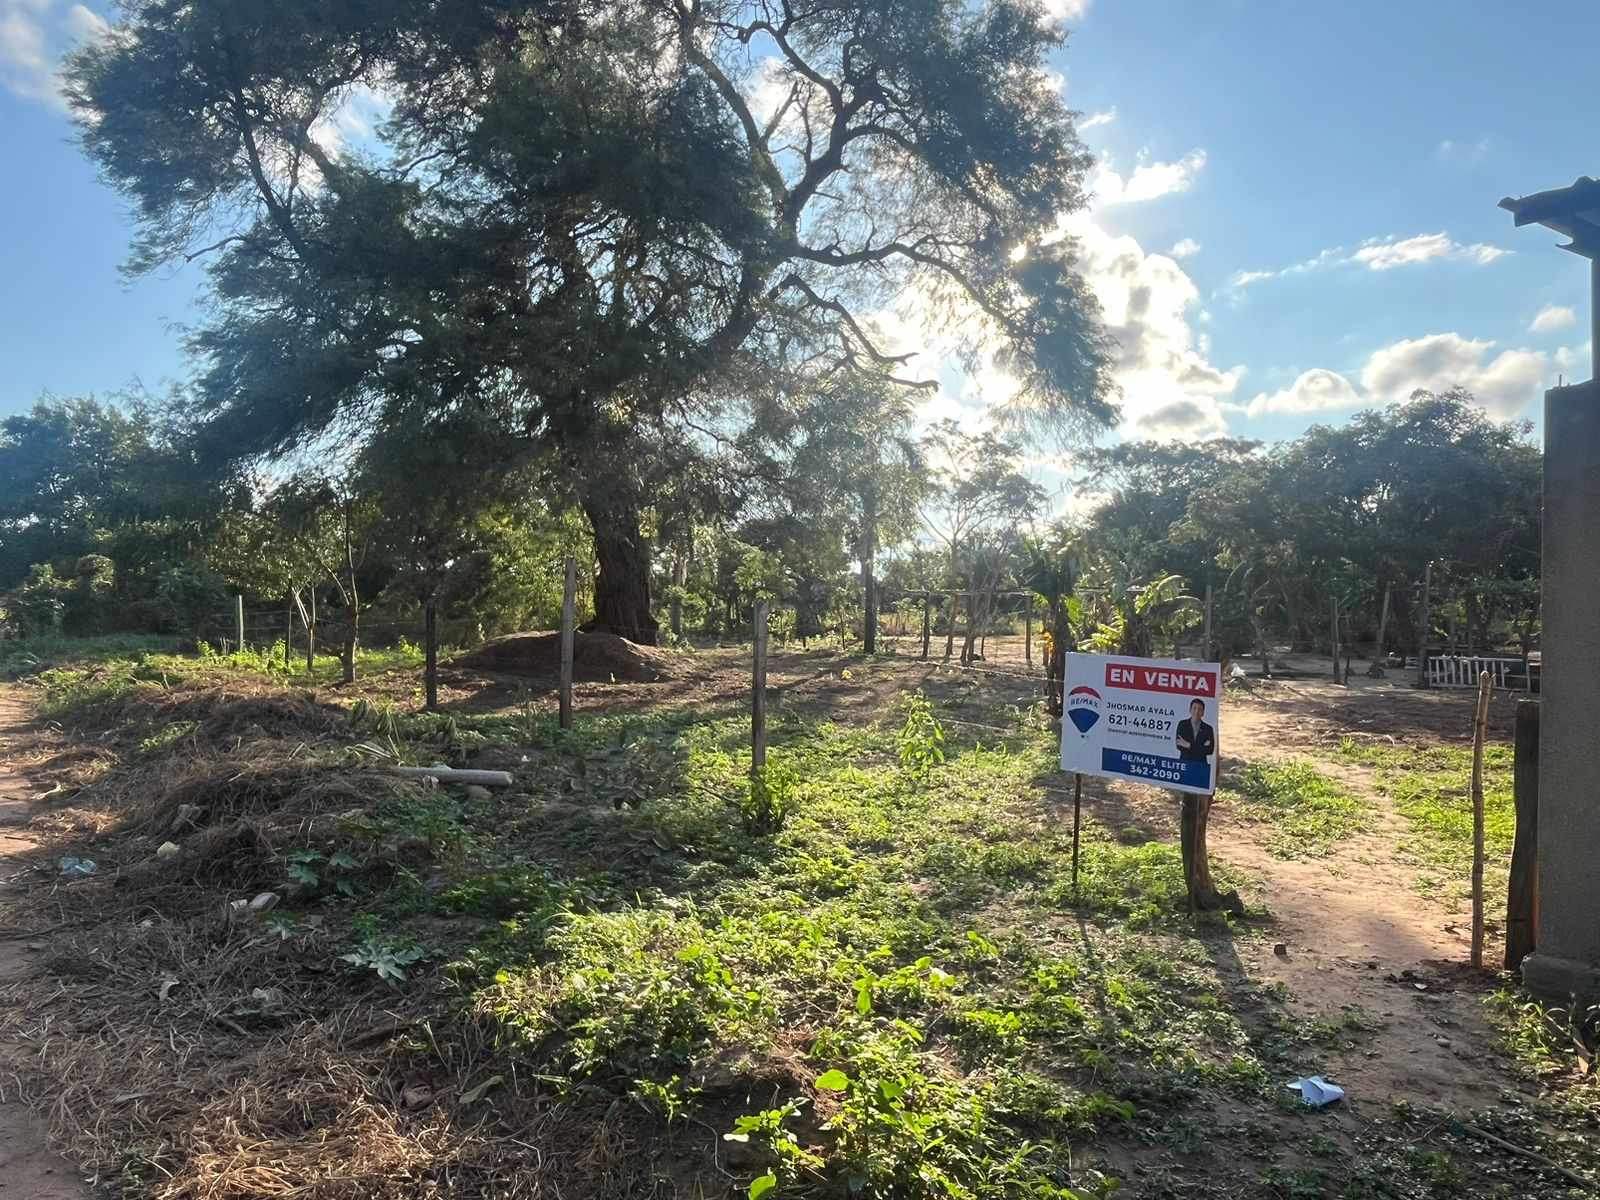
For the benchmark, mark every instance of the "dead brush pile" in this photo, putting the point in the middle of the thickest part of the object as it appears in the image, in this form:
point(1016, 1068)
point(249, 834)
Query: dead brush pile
point(193, 1048)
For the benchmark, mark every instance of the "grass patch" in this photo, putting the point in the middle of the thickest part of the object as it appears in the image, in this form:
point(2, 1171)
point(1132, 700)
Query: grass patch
point(1309, 813)
point(883, 983)
point(1431, 787)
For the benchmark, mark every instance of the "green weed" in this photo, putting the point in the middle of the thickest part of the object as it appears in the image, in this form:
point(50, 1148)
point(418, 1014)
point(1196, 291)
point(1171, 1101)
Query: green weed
point(1308, 813)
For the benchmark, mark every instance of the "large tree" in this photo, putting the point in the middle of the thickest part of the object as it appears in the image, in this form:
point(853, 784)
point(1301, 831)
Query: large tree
point(580, 214)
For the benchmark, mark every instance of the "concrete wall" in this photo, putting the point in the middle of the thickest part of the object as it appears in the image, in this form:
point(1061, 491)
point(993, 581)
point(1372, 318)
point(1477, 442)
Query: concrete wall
point(1567, 958)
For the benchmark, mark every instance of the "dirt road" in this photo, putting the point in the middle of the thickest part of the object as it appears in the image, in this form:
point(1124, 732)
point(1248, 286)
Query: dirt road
point(28, 1170)
point(1358, 947)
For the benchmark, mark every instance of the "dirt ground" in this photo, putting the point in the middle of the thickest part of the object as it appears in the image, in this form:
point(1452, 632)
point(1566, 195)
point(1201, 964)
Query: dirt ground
point(1348, 935)
point(1357, 936)
point(28, 1170)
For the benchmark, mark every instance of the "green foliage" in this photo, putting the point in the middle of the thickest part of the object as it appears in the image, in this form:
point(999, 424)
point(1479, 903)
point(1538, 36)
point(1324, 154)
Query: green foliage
point(1431, 786)
point(387, 959)
point(921, 740)
point(1309, 812)
point(314, 872)
point(767, 803)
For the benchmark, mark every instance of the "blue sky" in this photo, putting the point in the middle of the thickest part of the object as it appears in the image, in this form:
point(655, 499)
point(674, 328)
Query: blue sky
point(1295, 215)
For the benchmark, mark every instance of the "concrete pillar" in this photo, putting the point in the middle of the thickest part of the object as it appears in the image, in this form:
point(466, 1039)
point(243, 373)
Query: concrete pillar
point(1566, 961)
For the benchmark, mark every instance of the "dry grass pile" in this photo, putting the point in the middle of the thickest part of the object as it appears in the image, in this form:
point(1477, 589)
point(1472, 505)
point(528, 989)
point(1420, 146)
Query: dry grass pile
point(239, 1070)
point(596, 658)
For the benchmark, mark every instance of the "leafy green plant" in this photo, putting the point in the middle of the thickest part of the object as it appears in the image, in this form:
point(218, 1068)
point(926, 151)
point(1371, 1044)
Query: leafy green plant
point(768, 1130)
point(766, 804)
point(316, 871)
point(386, 959)
point(921, 739)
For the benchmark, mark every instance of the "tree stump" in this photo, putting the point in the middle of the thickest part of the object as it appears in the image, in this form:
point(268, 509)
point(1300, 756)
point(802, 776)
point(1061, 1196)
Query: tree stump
point(1203, 893)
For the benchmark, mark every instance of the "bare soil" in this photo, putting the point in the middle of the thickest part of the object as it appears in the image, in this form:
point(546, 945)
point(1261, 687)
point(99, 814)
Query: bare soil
point(1352, 938)
point(596, 657)
point(29, 1170)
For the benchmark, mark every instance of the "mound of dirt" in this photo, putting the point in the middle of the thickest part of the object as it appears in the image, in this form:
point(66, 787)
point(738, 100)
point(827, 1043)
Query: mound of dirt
point(596, 657)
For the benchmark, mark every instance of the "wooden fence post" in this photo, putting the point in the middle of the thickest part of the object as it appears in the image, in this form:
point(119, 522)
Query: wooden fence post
point(1335, 641)
point(569, 633)
point(1027, 632)
point(1522, 896)
point(239, 615)
point(1422, 629)
point(288, 635)
point(927, 621)
point(758, 694)
point(1378, 656)
point(1480, 727)
point(430, 650)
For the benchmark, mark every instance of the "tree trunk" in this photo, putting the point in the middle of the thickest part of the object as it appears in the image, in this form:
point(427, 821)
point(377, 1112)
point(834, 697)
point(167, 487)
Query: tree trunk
point(622, 585)
point(1056, 669)
point(353, 633)
point(680, 577)
point(351, 637)
point(430, 646)
point(869, 585)
point(1203, 894)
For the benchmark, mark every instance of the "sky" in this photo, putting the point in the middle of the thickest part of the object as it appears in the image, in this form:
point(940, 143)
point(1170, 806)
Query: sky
point(1294, 216)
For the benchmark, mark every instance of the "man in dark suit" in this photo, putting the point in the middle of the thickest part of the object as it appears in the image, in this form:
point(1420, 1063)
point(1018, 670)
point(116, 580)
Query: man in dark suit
point(1197, 741)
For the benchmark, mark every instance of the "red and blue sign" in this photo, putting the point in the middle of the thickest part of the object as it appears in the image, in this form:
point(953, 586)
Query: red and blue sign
point(1150, 720)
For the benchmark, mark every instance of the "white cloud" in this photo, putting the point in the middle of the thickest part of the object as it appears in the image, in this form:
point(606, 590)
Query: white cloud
point(84, 25)
point(1095, 120)
point(1149, 180)
point(1185, 248)
point(356, 119)
point(1066, 10)
point(1553, 317)
point(1466, 153)
point(34, 34)
point(1503, 384)
point(1317, 390)
point(1382, 254)
point(1169, 385)
point(1386, 254)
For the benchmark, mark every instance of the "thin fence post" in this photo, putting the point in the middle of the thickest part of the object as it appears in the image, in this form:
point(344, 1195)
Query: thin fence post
point(1077, 827)
point(927, 620)
point(288, 635)
point(1335, 638)
point(1480, 728)
point(758, 694)
point(1522, 893)
point(569, 629)
point(1422, 629)
point(430, 649)
point(1027, 632)
point(239, 615)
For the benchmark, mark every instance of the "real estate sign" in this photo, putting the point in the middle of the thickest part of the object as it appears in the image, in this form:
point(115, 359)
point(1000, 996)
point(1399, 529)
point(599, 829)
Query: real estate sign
point(1149, 719)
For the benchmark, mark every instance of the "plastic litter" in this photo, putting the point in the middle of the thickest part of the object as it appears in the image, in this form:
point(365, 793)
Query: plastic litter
point(167, 850)
point(1316, 1091)
point(78, 868)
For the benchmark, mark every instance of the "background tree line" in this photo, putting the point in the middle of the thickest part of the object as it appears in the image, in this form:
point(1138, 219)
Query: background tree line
point(841, 506)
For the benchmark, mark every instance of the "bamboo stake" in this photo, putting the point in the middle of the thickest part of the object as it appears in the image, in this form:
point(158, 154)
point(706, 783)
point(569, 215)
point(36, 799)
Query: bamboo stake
point(1480, 728)
point(1077, 826)
point(758, 694)
point(569, 628)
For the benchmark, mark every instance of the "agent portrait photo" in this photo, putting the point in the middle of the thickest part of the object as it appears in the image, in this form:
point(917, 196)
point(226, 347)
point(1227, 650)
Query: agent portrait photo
point(1197, 741)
